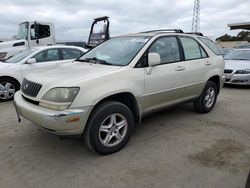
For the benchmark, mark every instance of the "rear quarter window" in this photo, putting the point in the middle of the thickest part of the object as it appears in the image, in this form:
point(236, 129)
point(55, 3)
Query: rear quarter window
point(211, 45)
point(70, 53)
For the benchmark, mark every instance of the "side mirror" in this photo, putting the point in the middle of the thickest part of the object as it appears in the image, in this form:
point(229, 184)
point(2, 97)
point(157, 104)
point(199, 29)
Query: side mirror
point(153, 59)
point(31, 61)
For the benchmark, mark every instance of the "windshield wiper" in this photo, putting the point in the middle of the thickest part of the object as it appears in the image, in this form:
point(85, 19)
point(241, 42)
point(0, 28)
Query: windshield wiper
point(100, 61)
point(82, 60)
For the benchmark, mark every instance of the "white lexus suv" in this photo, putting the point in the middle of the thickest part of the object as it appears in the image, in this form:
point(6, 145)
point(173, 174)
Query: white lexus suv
point(103, 94)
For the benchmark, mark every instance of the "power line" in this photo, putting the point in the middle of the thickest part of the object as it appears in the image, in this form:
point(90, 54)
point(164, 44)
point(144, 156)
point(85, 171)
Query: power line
point(43, 11)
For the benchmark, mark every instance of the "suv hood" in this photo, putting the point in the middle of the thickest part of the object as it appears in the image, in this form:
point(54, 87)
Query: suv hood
point(237, 64)
point(9, 44)
point(72, 72)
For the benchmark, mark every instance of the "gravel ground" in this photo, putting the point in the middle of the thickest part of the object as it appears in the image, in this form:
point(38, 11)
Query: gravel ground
point(174, 148)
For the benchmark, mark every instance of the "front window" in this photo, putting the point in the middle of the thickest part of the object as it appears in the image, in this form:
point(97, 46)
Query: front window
point(47, 55)
point(17, 58)
point(23, 31)
point(167, 48)
point(238, 55)
point(43, 31)
point(116, 51)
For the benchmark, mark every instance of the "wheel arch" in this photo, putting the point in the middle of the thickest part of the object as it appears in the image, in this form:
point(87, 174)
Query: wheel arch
point(11, 78)
point(216, 80)
point(125, 98)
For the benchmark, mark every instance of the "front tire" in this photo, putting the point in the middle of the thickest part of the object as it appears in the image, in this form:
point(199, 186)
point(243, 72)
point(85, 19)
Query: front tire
point(8, 87)
point(206, 101)
point(109, 128)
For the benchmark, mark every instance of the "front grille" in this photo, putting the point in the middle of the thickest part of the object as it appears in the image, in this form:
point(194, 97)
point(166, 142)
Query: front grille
point(228, 71)
point(30, 88)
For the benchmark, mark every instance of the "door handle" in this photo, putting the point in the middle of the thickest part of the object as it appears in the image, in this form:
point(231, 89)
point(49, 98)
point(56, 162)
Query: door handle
point(208, 63)
point(180, 68)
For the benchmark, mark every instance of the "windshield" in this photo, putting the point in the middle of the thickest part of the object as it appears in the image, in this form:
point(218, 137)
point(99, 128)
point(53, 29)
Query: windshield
point(116, 51)
point(238, 55)
point(17, 58)
point(23, 31)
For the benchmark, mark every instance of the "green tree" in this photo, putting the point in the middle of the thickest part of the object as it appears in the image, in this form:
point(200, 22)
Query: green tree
point(242, 36)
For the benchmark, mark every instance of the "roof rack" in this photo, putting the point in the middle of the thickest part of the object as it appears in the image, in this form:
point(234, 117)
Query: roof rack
point(195, 33)
point(164, 30)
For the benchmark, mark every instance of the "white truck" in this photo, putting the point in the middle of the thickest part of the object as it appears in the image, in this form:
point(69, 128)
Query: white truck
point(30, 34)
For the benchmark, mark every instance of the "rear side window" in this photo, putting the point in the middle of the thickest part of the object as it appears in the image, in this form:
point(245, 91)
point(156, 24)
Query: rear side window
point(192, 49)
point(211, 45)
point(71, 53)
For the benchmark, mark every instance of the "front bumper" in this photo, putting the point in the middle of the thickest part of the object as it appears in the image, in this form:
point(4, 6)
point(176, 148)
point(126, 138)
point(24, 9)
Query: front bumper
point(238, 79)
point(67, 122)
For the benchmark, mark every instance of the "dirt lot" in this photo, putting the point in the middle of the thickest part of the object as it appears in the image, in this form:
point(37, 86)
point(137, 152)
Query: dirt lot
point(173, 148)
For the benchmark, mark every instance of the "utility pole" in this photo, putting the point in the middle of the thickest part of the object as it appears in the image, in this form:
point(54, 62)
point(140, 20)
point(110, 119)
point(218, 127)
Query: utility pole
point(196, 17)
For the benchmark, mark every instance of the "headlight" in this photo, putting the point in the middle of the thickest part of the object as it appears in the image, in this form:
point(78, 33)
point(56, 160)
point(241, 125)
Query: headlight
point(243, 71)
point(59, 98)
point(3, 55)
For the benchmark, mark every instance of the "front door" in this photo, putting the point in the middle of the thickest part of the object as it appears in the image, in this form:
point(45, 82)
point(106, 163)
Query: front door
point(45, 60)
point(164, 83)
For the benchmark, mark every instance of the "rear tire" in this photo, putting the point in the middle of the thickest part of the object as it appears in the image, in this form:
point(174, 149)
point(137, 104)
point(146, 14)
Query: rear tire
point(8, 87)
point(109, 128)
point(206, 101)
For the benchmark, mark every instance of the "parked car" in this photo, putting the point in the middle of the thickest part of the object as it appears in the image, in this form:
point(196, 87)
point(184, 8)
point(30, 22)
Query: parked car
point(13, 70)
point(237, 67)
point(106, 92)
point(244, 46)
point(225, 51)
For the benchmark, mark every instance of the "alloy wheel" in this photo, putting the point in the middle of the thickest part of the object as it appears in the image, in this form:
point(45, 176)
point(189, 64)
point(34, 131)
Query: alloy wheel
point(7, 90)
point(210, 97)
point(113, 130)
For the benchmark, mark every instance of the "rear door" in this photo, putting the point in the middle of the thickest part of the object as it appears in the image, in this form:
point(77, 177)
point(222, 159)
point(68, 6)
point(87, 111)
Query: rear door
point(197, 65)
point(164, 83)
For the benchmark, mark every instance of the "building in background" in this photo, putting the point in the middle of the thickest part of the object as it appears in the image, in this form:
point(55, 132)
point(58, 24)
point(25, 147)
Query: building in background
point(227, 41)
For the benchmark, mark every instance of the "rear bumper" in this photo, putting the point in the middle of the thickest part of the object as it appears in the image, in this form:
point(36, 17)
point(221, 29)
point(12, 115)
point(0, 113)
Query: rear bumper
point(66, 122)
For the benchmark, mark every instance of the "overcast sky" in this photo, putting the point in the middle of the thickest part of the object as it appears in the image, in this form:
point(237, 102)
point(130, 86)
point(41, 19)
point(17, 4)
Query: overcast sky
point(72, 18)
